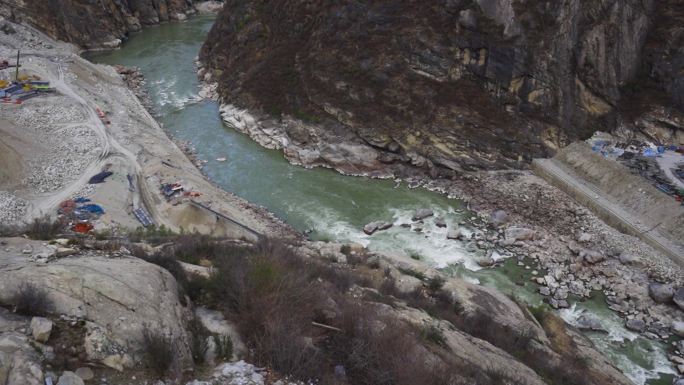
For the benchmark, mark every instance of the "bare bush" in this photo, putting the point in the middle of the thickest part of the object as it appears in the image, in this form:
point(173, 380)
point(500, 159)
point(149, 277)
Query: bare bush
point(31, 300)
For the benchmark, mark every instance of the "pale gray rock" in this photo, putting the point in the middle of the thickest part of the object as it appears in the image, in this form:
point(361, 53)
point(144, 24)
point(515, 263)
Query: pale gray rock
point(440, 222)
point(519, 233)
point(85, 373)
point(372, 227)
point(41, 329)
point(422, 214)
point(590, 322)
point(628, 259)
point(70, 378)
point(498, 218)
point(592, 256)
point(584, 238)
point(678, 328)
point(636, 325)
point(454, 233)
point(561, 293)
point(19, 361)
point(661, 292)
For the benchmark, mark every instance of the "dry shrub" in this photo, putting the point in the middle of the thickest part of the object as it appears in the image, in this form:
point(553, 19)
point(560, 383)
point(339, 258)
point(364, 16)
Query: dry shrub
point(31, 300)
point(43, 228)
point(377, 350)
point(198, 340)
point(159, 351)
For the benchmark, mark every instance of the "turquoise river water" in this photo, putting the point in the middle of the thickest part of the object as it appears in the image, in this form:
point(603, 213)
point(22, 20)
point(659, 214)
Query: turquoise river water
point(334, 206)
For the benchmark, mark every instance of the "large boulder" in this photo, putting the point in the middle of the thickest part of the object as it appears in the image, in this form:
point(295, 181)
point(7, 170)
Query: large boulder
point(636, 325)
point(661, 292)
point(519, 234)
point(120, 297)
point(376, 226)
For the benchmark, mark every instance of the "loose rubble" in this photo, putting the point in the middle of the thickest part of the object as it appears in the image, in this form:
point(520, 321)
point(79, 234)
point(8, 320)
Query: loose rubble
point(12, 208)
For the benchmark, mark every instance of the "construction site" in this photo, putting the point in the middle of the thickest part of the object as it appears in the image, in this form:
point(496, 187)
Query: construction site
point(78, 145)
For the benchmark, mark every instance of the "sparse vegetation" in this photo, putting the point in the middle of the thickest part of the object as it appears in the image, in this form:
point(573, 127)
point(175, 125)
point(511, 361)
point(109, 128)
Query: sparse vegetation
point(433, 334)
point(152, 234)
point(159, 351)
point(31, 300)
point(274, 305)
point(224, 347)
point(273, 296)
point(198, 340)
point(43, 228)
point(435, 283)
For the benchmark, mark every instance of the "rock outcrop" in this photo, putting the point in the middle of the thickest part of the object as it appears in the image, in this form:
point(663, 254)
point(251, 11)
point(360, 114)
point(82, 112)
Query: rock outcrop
point(457, 84)
point(94, 24)
point(117, 297)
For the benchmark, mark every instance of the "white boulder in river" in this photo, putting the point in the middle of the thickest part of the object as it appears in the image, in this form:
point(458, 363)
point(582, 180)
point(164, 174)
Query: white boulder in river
point(422, 214)
point(119, 297)
point(376, 226)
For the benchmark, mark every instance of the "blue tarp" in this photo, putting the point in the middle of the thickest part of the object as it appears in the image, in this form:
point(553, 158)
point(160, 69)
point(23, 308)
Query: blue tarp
point(649, 152)
point(92, 208)
point(81, 200)
point(99, 178)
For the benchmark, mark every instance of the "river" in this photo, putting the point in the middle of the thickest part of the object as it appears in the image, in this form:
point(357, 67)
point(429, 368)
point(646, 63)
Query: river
point(330, 205)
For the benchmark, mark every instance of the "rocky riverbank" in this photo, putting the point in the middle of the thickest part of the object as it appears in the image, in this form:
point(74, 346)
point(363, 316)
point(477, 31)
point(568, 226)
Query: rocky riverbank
point(569, 252)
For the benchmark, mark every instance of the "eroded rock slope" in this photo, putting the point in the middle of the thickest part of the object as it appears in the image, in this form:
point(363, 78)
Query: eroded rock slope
point(453, 83)
point(93, 24)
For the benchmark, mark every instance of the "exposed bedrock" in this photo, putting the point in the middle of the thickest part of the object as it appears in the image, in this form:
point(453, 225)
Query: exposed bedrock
point(94, 24)
point(459, 84)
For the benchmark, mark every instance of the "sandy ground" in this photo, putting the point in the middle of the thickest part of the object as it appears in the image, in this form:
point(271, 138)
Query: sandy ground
point(52, 145)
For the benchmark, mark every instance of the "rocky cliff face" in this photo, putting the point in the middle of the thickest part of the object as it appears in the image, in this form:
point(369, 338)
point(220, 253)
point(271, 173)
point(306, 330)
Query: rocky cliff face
point(455, 83)
point(94, 24)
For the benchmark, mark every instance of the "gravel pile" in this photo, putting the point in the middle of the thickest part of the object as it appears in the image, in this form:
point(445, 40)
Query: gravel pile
point(71, 150)
point(40, 116)
point(12, 208)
